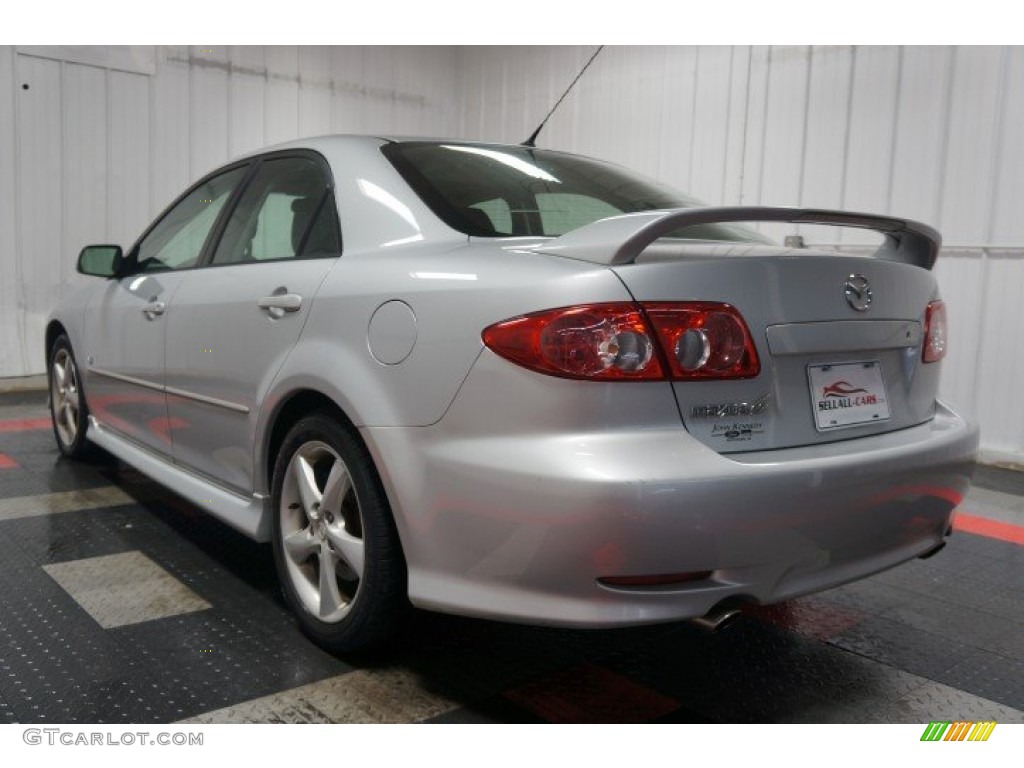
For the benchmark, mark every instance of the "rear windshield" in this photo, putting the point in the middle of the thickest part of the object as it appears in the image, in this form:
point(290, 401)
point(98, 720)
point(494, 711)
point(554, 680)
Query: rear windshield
point(502, 191)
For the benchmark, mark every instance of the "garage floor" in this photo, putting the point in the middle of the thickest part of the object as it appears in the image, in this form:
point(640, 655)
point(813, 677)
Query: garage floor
point(121, 603)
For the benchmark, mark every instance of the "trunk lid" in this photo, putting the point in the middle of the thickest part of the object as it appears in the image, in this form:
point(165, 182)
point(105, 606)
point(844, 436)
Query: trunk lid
point(828, 370)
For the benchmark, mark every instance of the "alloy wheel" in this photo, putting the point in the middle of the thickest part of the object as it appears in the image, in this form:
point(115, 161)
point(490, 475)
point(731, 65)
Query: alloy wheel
point(64, 392)
point(322, 531)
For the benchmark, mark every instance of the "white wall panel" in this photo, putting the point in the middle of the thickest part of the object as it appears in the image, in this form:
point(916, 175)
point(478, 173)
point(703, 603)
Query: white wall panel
point(757, 98)
point(514, 100)
point(170, 160)
point(602, 110)
point(248, 124)
point(970, 165)
point(736, 124)
point(346, 102)
point(248, 99)
point(781, 172)
point(827, 135)
point(314, 108)
point(684, 150)
point(828, 116)
point(921, 132)
point(314, 90)
point(1008, 223)
point(315, 64)
point(563, 63)
point(84, 148)
point(40, 199)
point(712, 98)
point(248, 60)
point(430, 96)
point(533, 101)
point(12, 341)
point(126, 58)
point(377, 92)
point(872, 127)
point(91, 151)
point(282, 114)
point(128, 153)
point(470, 84)
point(647, 87)
point(491, 97)
point(208, 118)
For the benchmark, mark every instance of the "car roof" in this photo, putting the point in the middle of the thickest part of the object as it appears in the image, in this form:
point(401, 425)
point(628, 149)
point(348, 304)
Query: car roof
point(328, 141)
point(319, 143)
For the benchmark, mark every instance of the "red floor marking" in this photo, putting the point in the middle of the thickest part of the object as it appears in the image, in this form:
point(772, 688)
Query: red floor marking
point(993, 529)
point(591, 694)
point(23, 425)
point(6, 462)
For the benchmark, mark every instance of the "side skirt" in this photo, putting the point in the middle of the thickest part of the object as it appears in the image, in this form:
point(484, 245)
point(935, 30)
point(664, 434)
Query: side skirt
point(249, 515)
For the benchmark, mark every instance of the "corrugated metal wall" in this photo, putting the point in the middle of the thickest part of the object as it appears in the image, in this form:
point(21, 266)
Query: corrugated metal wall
point(94, 142)
point(933, 133)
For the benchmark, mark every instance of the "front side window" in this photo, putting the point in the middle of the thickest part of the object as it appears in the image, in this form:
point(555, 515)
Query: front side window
point(287, 211)
point(176, 242)
point(499, 191)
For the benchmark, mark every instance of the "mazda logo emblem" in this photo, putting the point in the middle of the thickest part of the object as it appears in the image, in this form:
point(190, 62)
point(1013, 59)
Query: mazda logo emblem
point(857, 291)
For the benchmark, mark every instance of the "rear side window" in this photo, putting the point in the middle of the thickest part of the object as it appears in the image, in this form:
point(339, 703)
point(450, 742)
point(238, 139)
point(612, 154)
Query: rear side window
point(322, 237)
point(285, 212)
point(561, 212)
point(499, 215)
point(499, 191)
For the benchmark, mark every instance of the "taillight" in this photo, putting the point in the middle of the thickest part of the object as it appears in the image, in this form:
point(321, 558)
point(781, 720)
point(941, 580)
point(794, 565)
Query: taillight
point(626, 341)
point(704, 340)
point(596, 341)
point(935, 338)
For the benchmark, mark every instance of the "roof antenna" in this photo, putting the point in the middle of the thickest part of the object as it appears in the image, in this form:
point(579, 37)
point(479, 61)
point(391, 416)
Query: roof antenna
point(533, 136)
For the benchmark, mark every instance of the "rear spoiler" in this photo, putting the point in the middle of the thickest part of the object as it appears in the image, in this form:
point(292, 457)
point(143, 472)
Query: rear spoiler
point(620, 239)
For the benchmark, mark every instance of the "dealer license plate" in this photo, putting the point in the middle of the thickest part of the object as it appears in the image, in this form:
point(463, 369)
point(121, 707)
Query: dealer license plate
point(847, 394)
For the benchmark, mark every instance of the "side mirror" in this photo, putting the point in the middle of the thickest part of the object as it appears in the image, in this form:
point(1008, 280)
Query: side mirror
point(101, 260)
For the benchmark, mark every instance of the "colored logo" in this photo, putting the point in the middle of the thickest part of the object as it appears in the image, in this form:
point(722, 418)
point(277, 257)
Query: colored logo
point(958, 731)
point(841, 389)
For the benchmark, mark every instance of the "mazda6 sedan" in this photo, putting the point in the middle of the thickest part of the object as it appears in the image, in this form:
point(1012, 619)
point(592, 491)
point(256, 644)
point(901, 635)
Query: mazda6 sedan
point(520, 384)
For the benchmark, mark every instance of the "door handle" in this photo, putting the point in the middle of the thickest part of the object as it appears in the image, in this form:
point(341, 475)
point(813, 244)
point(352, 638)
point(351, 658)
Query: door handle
point(279, 303)
point(154, 309)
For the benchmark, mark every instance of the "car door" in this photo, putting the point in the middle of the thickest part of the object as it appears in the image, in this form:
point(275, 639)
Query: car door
point(237, 318)
point(126, 322)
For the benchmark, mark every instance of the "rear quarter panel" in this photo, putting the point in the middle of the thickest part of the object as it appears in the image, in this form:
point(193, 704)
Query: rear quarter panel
point(453, 292)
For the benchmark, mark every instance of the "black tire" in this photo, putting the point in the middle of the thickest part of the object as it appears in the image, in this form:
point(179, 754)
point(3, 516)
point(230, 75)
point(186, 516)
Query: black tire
point(366, 607)
point(69, 414)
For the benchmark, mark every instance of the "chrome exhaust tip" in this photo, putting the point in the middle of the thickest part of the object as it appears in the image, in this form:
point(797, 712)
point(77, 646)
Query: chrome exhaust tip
point(717, 619)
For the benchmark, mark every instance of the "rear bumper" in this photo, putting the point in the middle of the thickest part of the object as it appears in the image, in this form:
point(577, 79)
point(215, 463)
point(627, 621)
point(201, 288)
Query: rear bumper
point(520, 526)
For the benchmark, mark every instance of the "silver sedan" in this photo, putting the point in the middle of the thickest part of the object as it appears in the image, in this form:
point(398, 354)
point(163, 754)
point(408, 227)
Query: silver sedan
point(515, 383)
